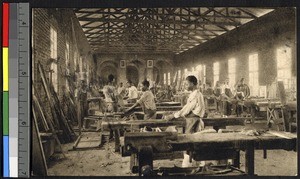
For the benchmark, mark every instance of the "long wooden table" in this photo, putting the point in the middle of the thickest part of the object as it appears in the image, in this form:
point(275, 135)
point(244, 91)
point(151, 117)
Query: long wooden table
point(171, 103)
point(115, 127)
point(160, 108)
point(216, 122)
point(205, 146)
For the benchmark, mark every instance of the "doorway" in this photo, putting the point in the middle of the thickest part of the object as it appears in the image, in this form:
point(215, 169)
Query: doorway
point(132, 74)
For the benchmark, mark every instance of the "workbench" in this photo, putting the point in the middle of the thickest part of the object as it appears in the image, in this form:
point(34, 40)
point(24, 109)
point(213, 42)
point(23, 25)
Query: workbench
point(258, 104)
point(170, 103)
point(116, 127)
point(146, 147)
point(159, 108)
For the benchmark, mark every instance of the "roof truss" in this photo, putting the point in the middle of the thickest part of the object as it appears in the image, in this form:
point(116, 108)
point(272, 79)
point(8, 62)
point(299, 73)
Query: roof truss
point(159, 30)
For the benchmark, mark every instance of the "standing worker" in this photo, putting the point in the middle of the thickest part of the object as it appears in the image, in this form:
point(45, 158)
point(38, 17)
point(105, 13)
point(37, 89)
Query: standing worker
point(193, 112)
point(146, 101)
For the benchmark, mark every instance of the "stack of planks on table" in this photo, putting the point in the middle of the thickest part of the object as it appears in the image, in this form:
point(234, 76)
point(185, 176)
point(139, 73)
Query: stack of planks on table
point(60, 120)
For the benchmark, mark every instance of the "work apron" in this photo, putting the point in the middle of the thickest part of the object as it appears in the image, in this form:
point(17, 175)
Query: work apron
point(149, 114)
point(193, 123)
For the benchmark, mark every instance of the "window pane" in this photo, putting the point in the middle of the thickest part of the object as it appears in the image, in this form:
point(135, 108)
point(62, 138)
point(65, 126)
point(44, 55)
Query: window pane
point(169, 78)
point(253, 62)
point(216, 69)
point(231, 66)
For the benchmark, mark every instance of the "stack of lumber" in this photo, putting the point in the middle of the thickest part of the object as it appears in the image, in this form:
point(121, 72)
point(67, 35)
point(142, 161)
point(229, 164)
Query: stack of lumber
point(59, 120)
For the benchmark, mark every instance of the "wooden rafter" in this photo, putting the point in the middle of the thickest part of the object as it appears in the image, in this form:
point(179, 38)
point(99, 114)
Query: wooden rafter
point(158, 30)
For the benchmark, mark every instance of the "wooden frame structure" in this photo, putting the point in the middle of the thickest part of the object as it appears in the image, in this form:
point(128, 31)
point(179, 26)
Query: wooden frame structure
point(159, 30)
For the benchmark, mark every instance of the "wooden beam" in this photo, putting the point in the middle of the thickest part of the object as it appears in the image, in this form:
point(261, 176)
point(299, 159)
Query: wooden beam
point(163, 22)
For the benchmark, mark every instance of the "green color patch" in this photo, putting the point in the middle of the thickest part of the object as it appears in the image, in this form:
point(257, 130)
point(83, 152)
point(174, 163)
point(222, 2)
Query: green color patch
point(5, 113)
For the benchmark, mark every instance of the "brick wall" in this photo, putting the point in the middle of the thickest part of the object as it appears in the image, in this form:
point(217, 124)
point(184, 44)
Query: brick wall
point(68, 30)
point(262, 36)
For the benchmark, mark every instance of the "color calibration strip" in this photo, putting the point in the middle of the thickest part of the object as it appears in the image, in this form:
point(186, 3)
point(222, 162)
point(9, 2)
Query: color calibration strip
point(5, 117)
point(16, 91)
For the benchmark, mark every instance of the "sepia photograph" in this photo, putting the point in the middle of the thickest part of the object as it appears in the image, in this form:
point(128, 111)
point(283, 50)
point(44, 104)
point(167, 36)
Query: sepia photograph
point(164, 91)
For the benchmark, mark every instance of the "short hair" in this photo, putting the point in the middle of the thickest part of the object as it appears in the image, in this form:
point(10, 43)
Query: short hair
point(111, 78)
point(192, 79)
point(146, 83)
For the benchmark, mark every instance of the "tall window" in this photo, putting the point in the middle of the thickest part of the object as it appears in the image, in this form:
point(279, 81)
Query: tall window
point(169, 78)
point(53, 49)
point(165, 78)
point(179, 74)
point(216, 72)
point(253, 74)
point(284, 64)
point(199, 72)
point(232, 71)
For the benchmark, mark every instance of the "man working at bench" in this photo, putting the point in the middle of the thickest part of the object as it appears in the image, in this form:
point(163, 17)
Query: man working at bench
point(146, 101)
point(192, 112)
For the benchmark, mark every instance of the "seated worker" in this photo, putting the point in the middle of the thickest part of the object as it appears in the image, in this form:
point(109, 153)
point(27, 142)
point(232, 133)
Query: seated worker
point(242, 90)
point(209, 97)
point(217, 89)
point(193, 112)
point(207, 89)
point(110, 94)
point(227, 97)
point(169, 94)
point(132, 92)
point(217, 92)
point(146, 101)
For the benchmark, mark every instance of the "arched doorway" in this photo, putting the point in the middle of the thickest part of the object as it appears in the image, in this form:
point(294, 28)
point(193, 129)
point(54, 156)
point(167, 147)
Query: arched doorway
point(104, 72)
point(132, 74)
point(156, 75)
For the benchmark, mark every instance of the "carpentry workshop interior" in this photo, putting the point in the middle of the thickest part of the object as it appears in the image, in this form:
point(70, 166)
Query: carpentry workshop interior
point(179, 91)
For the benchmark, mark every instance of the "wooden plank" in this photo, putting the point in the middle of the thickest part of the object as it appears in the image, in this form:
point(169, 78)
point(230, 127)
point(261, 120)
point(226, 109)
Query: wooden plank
point(56, 109)
point(229, 121)
point(50, 122)
point(39, 165)
point(88, 140)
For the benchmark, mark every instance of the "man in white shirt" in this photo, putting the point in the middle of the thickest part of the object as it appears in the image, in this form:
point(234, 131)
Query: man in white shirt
point(146, 101)
point(193, 112)
point(132, 92)
point(110, 94)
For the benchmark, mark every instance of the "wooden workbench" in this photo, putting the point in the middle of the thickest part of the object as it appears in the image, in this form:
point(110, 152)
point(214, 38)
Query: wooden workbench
point(170, 103)
point(159, 108)
point(205, 146)
point(216, 122)
point(115, 127)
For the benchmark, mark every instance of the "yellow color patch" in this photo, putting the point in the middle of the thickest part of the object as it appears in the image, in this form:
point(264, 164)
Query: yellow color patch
point(5, 69)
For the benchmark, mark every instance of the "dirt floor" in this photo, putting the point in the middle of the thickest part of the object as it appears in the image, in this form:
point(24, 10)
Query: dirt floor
point(105, 162)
